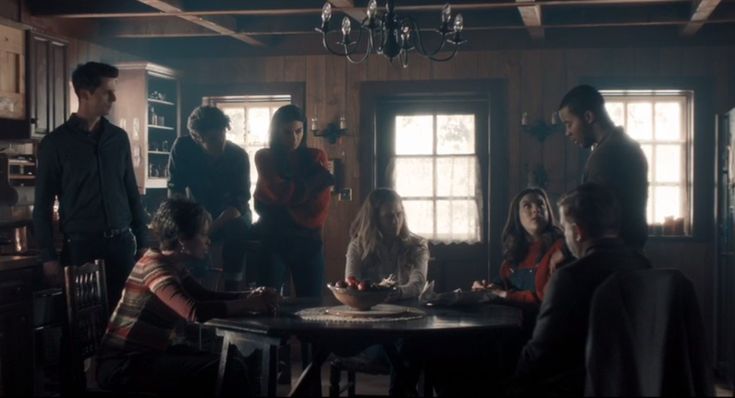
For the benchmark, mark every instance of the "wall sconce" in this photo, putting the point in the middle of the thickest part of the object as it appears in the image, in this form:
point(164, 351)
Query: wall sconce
point(539, 128)
point(333, 132)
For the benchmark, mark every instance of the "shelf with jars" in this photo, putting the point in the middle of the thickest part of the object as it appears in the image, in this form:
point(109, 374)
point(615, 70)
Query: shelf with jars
point(148, 108)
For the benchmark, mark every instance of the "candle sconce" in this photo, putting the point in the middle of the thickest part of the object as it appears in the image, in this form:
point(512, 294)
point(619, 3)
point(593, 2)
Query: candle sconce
point(539, 128)
point(333, 132)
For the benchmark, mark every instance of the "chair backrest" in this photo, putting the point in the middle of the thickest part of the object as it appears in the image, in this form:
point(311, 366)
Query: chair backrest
point(646, 337)
point(87, 307)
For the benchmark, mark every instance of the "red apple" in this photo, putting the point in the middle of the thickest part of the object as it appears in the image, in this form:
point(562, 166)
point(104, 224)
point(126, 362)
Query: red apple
point(363, 286)
point(341, 284)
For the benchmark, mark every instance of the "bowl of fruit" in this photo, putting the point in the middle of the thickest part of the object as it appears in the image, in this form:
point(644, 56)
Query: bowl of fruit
point(360, 295)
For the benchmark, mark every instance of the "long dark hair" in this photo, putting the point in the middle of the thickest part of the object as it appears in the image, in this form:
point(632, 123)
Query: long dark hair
point(283, 115)
point(515, 238)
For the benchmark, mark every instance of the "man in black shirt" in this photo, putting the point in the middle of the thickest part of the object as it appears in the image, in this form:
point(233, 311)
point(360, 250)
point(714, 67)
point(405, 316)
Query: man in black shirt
point(553, 361)
point(86, 164)
point(616, 162)
point(216, 173)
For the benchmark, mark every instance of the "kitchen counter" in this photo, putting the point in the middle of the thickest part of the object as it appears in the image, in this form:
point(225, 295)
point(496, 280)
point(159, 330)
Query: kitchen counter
point(10, 262)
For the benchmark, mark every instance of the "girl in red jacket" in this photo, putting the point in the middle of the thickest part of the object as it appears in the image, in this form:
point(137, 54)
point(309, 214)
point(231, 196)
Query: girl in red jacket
point(532, 245)
point(292, 198)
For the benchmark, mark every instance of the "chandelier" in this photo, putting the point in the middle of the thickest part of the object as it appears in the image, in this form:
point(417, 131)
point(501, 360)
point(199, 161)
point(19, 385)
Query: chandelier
point(391, 35)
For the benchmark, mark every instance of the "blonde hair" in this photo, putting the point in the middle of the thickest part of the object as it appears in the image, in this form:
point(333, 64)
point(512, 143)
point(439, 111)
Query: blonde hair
point(365, 229)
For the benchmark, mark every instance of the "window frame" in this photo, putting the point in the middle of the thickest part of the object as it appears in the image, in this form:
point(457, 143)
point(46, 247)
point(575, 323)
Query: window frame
point(685, 183)
point(703, 141)
point(387, 112)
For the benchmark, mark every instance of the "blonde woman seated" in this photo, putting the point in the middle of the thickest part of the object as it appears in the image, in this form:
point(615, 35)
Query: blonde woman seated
point(382, 245)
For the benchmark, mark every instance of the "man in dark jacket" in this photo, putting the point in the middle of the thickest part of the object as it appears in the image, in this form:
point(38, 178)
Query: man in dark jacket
point(216, 174)
point(553, 361)
point(616, 162)
point(86, 164)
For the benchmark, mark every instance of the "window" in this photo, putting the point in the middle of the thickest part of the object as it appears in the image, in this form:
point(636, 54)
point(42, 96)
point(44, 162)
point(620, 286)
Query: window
point(661, 121)
point(434, 167)
point(250, 118)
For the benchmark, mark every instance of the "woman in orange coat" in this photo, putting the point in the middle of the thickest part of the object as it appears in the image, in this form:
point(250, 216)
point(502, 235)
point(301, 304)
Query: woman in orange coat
point(292, 198)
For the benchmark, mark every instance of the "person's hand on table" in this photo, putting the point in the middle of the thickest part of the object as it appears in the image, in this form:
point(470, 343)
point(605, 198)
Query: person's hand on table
point(263, 300)
point(485, 286)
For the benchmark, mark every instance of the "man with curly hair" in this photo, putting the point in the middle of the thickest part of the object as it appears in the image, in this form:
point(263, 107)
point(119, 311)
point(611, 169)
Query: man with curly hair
point(215, 173)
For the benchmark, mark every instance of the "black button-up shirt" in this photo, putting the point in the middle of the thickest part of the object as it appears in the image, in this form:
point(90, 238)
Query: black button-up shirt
point(92, 176)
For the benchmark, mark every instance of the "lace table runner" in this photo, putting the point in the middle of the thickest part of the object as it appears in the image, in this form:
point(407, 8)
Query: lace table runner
point(345, 314)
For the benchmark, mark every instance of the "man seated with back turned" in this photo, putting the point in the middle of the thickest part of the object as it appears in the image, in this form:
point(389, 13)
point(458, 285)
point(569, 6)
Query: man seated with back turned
point(553, 361)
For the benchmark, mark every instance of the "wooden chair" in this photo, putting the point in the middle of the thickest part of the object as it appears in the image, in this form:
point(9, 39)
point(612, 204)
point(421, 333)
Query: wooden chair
point(88, 313)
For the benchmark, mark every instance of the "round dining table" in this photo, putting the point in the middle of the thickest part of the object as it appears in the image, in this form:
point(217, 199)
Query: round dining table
point(437, 326)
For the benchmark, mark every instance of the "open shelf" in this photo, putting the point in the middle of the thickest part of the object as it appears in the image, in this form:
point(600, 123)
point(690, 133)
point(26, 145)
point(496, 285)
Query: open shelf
point(159, 153)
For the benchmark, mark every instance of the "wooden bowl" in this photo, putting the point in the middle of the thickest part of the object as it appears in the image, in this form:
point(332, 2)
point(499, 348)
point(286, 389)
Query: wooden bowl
point(357, 299)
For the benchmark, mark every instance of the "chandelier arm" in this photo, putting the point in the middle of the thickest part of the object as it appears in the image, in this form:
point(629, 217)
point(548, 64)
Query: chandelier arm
point(420, 43)
point(368, 50)
point(448, 57)
point(346, 52)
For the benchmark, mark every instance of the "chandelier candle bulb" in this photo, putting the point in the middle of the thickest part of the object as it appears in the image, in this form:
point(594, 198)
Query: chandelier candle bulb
point(326, 12)
point(458, 23)
point(372, 9)
point(314, 124)
point(446, 13)
point(342, 122)
point(346, 26)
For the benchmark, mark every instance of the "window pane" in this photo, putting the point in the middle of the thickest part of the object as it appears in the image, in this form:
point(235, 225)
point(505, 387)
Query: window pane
point(668, 121)
point(414, 177)
point(640, 120)
point(455, 134)
point(668, 203)
point(456, 220)
point(616, 110)
point(414, 135)
point(456, 176)
point(236, 134)
point(420, 217)
point(649, 206)
point(668, 163)
point(648, 151)
point(259, 120)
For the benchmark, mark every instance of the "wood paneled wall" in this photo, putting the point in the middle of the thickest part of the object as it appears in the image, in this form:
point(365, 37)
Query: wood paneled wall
point(536, 79)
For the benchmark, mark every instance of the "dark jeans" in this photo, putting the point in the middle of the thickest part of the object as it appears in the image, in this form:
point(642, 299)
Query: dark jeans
point(118, 252)
point(232, 235)
point(304, 257)
point(179, 371)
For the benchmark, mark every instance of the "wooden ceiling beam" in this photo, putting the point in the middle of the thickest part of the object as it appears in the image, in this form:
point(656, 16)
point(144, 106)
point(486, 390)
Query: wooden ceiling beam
point(358, 12)
point(225, 25)
point(628, 24)
point(701, 11)
point(531, 16)
point(348, 7)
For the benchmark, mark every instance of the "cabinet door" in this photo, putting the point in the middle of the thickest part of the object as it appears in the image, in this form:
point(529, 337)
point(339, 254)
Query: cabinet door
point(49, 99)
point(16, 350)
point(58, 86)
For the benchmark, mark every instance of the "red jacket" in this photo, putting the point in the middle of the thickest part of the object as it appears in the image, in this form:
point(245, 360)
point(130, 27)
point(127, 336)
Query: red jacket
point(543, 273)
point(307, 209)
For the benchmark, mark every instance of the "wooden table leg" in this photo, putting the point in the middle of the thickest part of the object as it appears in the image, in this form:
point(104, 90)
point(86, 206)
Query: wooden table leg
point(310, 381)
point(224, 354)
point(269, 369)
